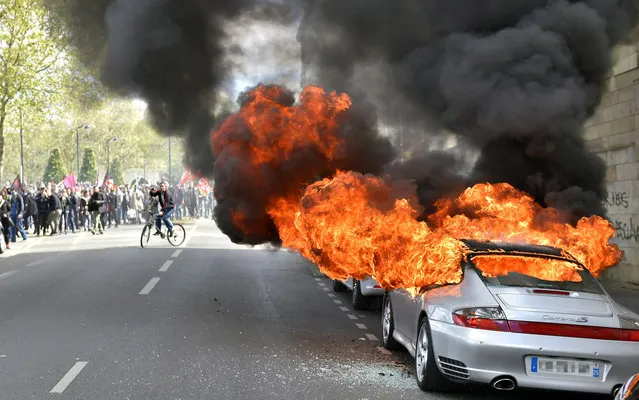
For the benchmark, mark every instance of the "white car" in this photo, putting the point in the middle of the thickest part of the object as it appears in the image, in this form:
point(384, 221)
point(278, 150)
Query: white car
point(363, 292)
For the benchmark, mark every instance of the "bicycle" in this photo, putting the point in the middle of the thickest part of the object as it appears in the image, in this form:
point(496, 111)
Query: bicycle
point(176, 239)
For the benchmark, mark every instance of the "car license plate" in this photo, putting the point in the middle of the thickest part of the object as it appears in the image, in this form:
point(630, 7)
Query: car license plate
point(565, 367)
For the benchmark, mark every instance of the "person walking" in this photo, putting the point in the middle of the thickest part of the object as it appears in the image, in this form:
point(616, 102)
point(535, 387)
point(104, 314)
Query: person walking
point(97, 207)
point(17, 212)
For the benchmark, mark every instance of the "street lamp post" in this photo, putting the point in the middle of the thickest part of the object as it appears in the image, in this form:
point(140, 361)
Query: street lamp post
point(113, 139)
point(21, 152)
point(77, 147)
point(170, 167)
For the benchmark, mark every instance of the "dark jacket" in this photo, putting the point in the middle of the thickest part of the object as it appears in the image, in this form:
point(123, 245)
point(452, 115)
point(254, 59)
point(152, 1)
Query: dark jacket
point(5, 210)
point(17, 203)
point(43, 203)
point(164, 198)
point(54, 202)
point(96, 200)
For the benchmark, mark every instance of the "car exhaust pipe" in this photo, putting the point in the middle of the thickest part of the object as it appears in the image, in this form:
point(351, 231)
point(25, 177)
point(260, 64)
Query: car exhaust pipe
point(504, 383)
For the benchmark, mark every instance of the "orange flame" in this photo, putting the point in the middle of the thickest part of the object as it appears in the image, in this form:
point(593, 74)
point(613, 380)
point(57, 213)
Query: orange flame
point(354, 225)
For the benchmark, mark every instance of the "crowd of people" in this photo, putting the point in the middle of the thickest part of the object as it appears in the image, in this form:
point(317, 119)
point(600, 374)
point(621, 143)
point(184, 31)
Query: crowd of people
point(49, 210)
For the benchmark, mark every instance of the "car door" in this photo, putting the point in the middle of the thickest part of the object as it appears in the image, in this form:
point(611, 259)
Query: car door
point(405, 310)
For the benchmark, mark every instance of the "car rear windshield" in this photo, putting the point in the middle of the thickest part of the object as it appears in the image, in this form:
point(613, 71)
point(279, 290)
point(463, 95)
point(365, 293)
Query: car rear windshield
point(534, 272)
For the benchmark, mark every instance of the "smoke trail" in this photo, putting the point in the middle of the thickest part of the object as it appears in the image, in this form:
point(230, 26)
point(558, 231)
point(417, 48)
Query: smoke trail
point(172, 53)
point(516, 79)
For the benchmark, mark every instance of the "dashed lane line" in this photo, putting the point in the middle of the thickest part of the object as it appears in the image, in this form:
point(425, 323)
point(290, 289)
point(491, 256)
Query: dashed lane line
point(176, 253)
point(69, 377)
point(361, 326)
point(37, 262)
point(149, 286)
point(7, 274)
point(165, 266)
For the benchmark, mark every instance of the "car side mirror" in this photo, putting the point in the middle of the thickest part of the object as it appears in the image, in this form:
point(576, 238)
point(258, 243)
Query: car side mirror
point(630, 390)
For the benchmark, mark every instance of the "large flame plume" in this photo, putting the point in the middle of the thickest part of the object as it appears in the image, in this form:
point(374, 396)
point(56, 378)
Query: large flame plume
point(355, 225)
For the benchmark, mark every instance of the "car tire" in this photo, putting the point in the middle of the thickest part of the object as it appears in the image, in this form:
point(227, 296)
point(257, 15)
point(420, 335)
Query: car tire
point(388, 325)
point(359, 301)
point(338, 286)
point(429, 378)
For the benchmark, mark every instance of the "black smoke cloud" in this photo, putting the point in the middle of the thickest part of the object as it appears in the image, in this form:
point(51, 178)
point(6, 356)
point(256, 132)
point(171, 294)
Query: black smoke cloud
point(169, 52)
point(516, 80)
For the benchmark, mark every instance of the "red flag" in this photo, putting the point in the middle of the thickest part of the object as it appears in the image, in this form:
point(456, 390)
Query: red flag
point(16, 183)
point(69, 181)
point(186, 177)
point(204, 186)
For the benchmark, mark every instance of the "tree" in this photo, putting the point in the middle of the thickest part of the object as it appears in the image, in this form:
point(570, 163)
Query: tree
point(116, 172)
point(88, 172)
point(31, 61)
point(55, 170)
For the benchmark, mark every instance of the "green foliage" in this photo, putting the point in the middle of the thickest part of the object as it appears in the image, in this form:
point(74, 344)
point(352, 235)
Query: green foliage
point(32, 62)
point(116, 172)
point(55, 170)
point(88, 171)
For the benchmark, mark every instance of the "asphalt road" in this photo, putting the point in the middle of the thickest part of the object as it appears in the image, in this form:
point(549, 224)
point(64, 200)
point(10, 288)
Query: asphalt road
point(97, 317)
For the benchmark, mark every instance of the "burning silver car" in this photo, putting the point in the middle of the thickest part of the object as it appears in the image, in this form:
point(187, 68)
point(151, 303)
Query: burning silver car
point(515, 330)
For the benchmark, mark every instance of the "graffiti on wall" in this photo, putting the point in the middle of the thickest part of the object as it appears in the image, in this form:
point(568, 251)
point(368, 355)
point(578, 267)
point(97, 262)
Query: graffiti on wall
point(626, 230)
point(617, 199)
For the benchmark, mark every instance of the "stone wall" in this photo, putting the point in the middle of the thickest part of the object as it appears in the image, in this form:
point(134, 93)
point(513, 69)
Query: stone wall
point(612, 134)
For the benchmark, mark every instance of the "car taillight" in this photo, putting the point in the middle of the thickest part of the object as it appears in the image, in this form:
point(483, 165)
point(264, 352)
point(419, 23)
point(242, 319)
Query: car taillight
point(486, 318)
point(629, 329)
point(494, 319)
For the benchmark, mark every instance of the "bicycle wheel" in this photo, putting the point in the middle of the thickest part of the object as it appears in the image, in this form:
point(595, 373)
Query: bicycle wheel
point(146, 234)
point(179, 234)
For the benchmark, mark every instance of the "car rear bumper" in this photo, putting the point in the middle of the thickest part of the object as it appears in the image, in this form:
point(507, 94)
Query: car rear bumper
point(487, 355)
point(369, 287)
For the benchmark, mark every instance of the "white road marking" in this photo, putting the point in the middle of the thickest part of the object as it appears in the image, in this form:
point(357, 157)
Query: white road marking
point(69, 377)
point(7, 274)
point(361, 326)
point(176, 254)
point(149, 286)
point(337, 301)
point(370, 336)
point(351, 316)
point(318, 279)
point(165, 266)
point(330, 294)
point(37, 262)
point(189, 235)
point(345, 309)
point(326, 289)
point(322, 284)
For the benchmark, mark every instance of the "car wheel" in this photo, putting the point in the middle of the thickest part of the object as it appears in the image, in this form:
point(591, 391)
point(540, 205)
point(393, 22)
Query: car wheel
point(338, 286)
point(388, 325)
point(428, 376)
point(360, 302)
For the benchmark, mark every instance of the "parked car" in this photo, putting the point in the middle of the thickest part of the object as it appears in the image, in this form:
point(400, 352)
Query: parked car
point(362, 291)
point(515, 330)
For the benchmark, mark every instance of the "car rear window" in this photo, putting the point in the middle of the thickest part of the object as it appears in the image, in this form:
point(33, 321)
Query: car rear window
point(534, 272)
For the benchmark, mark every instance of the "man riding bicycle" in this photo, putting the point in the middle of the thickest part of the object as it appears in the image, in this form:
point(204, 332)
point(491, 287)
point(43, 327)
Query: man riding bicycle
point(167, 207)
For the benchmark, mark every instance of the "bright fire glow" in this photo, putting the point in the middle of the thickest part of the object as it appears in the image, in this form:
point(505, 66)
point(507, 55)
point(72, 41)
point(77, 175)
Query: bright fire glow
point(354, 225)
